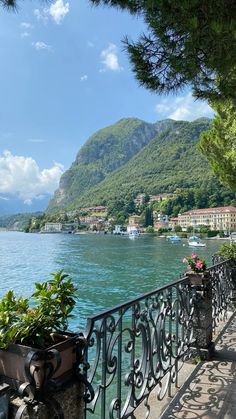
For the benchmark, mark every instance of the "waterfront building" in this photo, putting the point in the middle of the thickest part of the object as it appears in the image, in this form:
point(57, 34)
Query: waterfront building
point(162, 220)
point(52, 228)
point(173, 222)
point(135, 219)
point(117, 229)
point(220, 218)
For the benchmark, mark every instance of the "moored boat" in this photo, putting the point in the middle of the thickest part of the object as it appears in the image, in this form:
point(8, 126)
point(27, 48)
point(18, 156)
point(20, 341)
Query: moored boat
point(196, 243)
point(174, 239)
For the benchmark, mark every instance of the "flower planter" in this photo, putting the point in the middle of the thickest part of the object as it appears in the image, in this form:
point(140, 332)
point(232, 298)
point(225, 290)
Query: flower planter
point(196, 278)
point(40, 368)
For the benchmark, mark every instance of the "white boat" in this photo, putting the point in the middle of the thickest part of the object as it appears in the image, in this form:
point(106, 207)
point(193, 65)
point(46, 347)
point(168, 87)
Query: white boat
point(196, 243)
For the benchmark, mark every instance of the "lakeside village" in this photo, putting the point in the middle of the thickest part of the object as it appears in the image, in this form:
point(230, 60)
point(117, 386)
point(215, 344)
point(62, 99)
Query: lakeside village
point(218, 221)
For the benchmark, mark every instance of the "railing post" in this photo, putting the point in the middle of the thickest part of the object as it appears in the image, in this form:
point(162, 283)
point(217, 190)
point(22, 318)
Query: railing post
point(232, 269)
point(203, 319)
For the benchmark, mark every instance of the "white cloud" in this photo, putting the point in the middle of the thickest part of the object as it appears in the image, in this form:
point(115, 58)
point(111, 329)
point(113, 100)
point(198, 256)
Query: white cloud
point(84, 77)
point(58, 11)
point(26, 25)
point(110, 59)
point(183, 108)
point(25, 34)
point(39, 45)
point(41, 14)
point(22, 176)
point(3, 198)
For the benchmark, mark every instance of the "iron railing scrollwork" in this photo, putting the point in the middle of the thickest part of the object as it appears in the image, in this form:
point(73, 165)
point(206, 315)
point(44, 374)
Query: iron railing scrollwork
point(135, 347)
point(142, 344)
point(221, 284)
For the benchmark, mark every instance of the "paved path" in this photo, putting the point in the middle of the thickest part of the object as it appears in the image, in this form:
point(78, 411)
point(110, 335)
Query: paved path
point(210, 390)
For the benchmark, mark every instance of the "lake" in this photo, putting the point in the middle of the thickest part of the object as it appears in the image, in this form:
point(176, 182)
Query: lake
point(107, 270)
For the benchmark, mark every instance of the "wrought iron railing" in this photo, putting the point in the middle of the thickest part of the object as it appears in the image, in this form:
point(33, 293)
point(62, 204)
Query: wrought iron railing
point(221, 284)
point(134, 346)
point(142, 344)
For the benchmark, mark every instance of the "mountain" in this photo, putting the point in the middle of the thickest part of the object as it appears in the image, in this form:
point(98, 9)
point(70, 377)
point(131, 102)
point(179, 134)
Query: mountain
point(132, 156)
point(12, 204)
point(103, 153)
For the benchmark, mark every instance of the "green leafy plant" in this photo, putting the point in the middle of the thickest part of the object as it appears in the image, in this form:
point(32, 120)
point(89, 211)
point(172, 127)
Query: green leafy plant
point(227, 251)
point(34, 320)
point(195, 264)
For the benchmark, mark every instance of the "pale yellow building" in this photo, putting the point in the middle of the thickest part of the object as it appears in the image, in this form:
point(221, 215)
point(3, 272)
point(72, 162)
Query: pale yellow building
point(221, 218)
point(135, 219)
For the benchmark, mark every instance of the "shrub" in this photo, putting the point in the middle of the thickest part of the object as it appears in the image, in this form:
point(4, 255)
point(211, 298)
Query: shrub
point(227, 251)
point(33, 324)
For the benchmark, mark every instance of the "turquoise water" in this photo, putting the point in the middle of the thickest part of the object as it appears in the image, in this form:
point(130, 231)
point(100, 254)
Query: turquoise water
point(107, 270)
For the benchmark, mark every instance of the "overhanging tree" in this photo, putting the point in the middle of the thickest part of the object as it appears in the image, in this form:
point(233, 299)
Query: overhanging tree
point(219, 143)
point(188, 42)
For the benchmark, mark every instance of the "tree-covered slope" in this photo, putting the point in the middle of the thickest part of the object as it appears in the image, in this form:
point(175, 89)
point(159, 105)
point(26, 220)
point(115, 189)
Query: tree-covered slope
point(104, 152)
point(169, 162)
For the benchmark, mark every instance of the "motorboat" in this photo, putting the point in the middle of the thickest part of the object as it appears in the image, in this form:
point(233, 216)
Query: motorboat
point(195, 241)
point(174, 239)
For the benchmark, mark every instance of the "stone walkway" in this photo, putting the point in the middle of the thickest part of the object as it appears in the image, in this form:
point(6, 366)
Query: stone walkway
point(210, 390)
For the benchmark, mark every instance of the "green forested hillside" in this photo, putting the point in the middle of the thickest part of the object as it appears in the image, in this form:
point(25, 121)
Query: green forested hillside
point(104, 152)
point(169, 162)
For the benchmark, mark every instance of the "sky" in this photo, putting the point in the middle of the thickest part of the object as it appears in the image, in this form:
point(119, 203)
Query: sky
point(64, 74)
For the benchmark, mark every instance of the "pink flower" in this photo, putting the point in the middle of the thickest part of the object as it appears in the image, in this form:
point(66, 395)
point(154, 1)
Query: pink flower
point(185, 260)
point(198, 264)
point(193, 255)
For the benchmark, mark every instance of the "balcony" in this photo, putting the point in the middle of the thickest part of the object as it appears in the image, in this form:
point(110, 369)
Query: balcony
point(170, 353)
point(138, 351)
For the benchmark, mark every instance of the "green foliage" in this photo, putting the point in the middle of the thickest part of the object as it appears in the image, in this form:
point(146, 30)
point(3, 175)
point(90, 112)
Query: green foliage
point(177, 229)
point(227, 251)
point(204, 229)
point(170, 162)
point(212, 233)
point(148, 217)
point(103, 153)
point(187, 42)
point(20, 222)
point(32, 325)
point(182, 234)
point(219, 143)
point(150, 229)
point(163, 230)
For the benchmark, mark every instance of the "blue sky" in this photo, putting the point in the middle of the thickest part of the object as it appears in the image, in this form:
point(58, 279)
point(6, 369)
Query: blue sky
point(65, 74)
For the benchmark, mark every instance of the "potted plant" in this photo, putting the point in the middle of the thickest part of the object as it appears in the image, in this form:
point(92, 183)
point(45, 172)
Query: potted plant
point(196, 269)
point(35, 347)
point(227, 252)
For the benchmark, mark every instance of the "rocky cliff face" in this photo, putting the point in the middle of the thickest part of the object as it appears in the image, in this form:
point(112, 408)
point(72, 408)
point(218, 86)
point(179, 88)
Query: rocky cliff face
point(103, 153)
